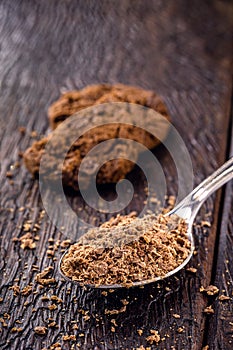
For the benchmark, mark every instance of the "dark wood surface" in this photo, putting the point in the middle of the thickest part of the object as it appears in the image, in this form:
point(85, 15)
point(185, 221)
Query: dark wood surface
point(183, 51)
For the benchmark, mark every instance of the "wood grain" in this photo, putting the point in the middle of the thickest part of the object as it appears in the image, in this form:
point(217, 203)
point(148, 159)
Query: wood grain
point(180, 49)
point(220, 329)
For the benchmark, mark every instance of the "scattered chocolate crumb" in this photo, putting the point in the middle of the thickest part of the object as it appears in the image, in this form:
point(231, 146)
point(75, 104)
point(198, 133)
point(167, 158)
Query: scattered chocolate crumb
point(55, 346)
point(9, 174)
point(50, 252)
point(52, 307)
point(16, 290)
point(27, 241)
point(22, 130)
point(104, 293)
point(128, 249)
point(69, 337)
point(86, 318)
point(140, 332)
point(26, 290)
point(33, 134)
point(205, 223)
point(66, 243)
point(154, 337)
point(192, 269)
point(41, 330)
point(3, 322)
point(56, 298)
point(209, 310)
point(114, 311)
point(223, 297)
point(176, 316)
point(113, 321)
point(210, 290)
point(52, 324)
point(16, 329)
point(180, 330)
point(42, 277)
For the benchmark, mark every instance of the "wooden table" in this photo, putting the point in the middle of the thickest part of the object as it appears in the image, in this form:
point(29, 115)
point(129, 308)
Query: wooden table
point(183, 51)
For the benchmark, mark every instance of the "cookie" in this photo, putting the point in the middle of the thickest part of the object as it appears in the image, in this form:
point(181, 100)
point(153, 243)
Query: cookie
point(125, 154)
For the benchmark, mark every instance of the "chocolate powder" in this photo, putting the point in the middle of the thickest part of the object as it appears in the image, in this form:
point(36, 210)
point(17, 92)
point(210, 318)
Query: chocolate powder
point(127, 249)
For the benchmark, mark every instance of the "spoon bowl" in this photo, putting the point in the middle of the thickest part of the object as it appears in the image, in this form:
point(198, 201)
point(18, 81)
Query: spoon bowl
point(186, 209)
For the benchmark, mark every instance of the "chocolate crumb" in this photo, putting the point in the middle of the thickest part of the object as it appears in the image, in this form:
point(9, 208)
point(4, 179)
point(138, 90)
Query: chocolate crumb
point(223, 297)
point(40, 330)
point(205, 223)
point(69, 337)
point(209, 310)
point(52, 307)
point(154, 337)
point(26, 290)
point(22, 130)
point(56, 299)
point(16, 329)
point(27, 240)
point(42, 277)
point(114, 311)
point(210, 290)
point(180, 330)
point(16, 290)
point(127, 249)
point(192, 269)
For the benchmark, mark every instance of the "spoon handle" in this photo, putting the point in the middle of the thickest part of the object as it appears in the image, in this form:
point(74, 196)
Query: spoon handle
point(190, 205)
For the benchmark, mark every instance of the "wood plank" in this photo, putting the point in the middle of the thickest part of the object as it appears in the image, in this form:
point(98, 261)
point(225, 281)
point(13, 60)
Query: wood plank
point(220, 327)
point(183, 52)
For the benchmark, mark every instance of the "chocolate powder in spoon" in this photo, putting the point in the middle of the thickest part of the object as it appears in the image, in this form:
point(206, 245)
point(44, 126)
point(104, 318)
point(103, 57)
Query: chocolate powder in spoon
point(127, 249)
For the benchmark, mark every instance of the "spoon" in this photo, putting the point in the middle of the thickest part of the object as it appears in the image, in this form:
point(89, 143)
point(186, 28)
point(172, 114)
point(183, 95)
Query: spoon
point(186, 209)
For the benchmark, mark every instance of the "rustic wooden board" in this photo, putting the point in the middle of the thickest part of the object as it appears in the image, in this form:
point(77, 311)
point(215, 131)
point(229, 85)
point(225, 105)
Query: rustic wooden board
point(220, 328)
point(181, 50)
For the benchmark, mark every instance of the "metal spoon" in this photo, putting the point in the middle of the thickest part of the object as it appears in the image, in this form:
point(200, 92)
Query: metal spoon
point(186, 209)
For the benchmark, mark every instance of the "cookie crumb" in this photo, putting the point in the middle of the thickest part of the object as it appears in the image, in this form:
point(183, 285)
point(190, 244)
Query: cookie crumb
point(176, 315)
